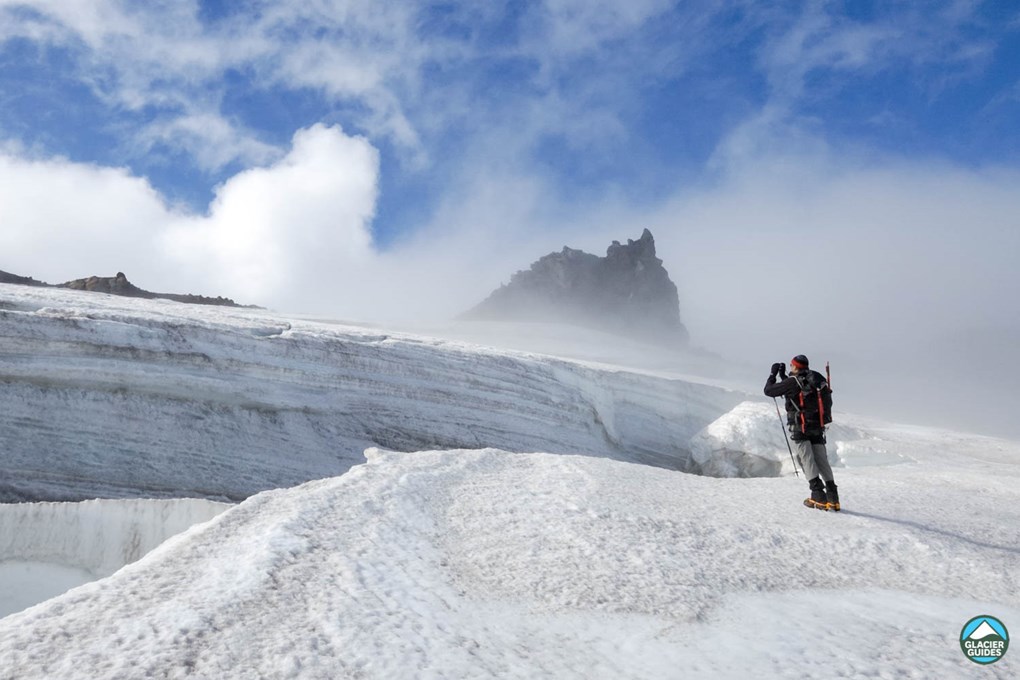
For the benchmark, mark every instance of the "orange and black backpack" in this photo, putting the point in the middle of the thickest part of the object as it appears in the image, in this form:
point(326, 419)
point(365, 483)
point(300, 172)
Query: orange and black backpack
point(814, 403)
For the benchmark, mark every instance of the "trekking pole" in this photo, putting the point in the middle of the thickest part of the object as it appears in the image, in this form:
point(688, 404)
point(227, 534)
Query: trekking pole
point(789, 448)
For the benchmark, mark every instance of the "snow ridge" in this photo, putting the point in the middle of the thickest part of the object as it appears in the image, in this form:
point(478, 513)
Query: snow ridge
point(493, 564)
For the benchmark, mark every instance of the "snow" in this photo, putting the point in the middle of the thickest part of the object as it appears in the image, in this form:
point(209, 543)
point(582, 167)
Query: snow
point(420, 507)
point(493, 564)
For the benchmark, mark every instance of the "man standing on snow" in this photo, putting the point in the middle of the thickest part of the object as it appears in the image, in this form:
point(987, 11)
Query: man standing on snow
point(808, 402)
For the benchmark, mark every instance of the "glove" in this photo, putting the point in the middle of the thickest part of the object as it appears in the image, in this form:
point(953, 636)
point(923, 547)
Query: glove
point(782, 371)
point(777, 368)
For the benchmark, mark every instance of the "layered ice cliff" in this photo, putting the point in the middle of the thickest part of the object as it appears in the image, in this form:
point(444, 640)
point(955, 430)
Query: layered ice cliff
point(47, 548)
point(114, 397)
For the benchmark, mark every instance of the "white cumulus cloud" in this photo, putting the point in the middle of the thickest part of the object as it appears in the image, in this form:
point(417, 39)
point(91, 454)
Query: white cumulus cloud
point(302, 220)
point(273, 235)
point(57, 216)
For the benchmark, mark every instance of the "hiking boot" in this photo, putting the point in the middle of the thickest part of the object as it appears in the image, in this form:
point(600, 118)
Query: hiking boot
point(818, 499)
point(831, 496)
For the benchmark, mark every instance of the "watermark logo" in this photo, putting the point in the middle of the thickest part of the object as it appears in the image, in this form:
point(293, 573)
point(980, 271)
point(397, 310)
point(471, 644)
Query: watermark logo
point(984, 639)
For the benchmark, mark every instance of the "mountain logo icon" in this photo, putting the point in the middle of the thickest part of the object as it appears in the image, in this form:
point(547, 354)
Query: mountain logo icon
point(984, 639)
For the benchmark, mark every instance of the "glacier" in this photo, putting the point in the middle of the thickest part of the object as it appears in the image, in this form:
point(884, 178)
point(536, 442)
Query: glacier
point(118, 398)
point(291, 497)
point(47, 548)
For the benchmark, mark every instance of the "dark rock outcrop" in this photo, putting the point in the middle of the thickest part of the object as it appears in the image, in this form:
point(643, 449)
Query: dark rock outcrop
point(20, 280)
point(627, 292)
point(113, 285)
point(118, 285)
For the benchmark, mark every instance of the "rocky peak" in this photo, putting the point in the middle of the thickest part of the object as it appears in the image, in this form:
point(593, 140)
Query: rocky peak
point(114, 285)
point(642, 249)
point(627, 292)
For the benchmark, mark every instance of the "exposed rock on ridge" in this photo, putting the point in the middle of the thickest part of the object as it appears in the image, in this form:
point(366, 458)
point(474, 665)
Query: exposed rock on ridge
point(627, 292)
point(20, 280)
point(118, 285)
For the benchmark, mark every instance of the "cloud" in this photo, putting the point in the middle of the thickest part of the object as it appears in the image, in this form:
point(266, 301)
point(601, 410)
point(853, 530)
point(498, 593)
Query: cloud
point(822, 39)
point(57, 217)
point(571, 28)
point(376, 62)
point(860, 258)
point(900, 271)
point(783, 223)
point(211, 140)
point(414, 75)
point(285, 231)
point(845, 255)
point(878, 249)
point(275, 235)
point(161, 62)
point(293, 235)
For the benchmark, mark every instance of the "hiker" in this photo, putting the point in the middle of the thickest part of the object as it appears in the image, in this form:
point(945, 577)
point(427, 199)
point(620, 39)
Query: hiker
point(808, 406)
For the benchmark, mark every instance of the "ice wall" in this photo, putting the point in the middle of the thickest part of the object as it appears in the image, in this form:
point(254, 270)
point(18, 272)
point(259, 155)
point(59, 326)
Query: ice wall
point(48, 548)
point(115, 397)
point(99, 536)
point(749, 441)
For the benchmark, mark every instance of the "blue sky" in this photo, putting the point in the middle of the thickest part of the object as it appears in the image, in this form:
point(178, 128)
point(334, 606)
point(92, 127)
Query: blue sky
point(590, 96)
point(379, 160)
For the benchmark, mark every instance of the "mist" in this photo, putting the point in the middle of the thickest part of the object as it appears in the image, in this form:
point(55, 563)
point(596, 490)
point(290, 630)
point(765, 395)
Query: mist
point(900, 274)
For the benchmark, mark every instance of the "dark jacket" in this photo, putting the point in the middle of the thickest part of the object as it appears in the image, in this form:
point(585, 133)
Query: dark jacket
point(803, 411)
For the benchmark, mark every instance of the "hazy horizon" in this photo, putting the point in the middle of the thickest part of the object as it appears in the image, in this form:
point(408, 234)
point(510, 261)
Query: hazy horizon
point(836, 180)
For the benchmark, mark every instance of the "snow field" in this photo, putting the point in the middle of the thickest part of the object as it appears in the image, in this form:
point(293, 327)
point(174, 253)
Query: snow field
point(490, 564)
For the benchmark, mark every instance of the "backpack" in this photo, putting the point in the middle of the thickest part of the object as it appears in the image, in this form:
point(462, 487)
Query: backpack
point(814, 394)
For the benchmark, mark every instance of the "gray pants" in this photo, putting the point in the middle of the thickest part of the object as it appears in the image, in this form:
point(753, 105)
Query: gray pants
point(813, 459)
